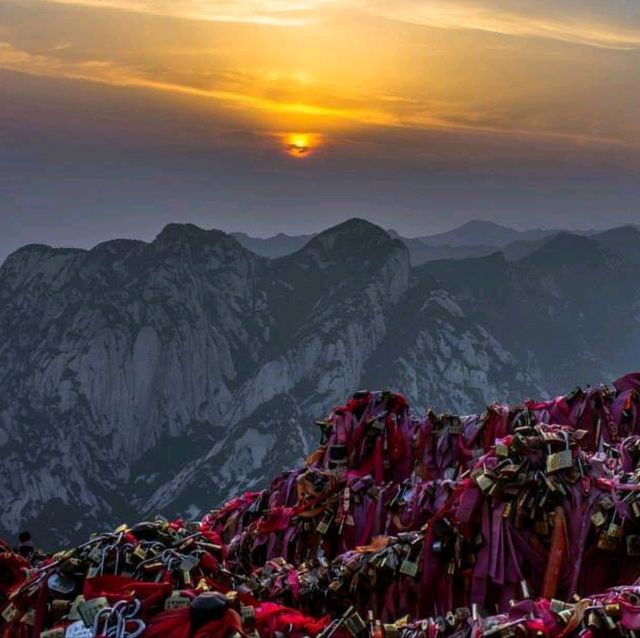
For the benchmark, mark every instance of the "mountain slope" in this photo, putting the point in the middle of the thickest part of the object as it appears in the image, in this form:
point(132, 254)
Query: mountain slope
point(143, 377)
point(483, 233)
point(572, 305)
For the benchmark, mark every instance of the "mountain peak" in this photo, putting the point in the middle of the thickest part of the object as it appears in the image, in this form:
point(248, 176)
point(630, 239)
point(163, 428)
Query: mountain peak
point(357, 228)
point(181, 232)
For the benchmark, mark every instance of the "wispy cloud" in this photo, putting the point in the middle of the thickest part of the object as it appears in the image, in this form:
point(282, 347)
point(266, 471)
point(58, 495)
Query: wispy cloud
point(244, 92)
point(290, 13)
point(575, 25)
point(611, 25)
point(105, 72)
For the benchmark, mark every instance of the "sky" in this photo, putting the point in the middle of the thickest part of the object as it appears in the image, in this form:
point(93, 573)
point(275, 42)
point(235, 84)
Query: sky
point(264, 116)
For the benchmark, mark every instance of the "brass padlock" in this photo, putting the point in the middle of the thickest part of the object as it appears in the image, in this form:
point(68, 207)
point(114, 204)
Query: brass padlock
point(335, 585)
point(10, 613)
point(484, 482)
point(325, 522)
point(562, 460)
point(390, 631)
point(598, 519)
point(502, 449)
point(355, 625)
point(607, 541)
point(409, 568)
point(140, 552)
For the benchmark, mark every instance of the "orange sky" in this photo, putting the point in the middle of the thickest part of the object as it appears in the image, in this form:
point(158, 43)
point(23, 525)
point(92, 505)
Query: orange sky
point(375, 86)
point(332, 67)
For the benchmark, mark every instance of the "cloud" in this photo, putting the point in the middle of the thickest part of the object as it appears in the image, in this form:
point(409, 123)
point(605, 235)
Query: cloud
point(614, 24)
point(290, 13)
point(105, 72)
point(255, 95)
point(579, 23)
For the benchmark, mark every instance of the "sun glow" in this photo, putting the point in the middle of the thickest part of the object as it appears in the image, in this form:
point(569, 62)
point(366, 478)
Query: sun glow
point(300, 144)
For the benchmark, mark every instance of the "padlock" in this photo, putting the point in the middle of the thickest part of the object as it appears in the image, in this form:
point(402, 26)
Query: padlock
point(390, 630)
point(73, 612)
point(10, 613)
point(140, 552)
point(484, 482)
point(325, 522)
point(335, 585)
point(508, 508)
point(88, 609)
point(248, 615)
point(29, 617)
point(409, 568)
point(558, 606)
point(613, 610)
point(502, 449)
point(565, 616)
point(177, 601)
point(355, 625)
point(598, 519)
point(562, 460)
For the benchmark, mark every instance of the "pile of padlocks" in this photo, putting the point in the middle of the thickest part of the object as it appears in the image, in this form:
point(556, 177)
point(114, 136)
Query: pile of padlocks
point(521, 521)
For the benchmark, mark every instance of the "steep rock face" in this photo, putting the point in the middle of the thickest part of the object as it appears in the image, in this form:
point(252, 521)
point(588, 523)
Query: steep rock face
point(138, 378)
point(111, 355)
point(329, 302)
point(436, 351)
point(106, 352)
point(568, 310)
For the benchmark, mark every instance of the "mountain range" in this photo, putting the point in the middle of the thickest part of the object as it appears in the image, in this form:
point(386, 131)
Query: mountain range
point(138, 378)
point(476, 238)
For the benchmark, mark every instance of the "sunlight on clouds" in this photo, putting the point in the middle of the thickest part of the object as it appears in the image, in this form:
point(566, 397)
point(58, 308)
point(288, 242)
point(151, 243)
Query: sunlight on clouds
point(485, 16)
point(317, 65)
point(492, 16)
point(106, 73)
point(327, 109)
point(290, 13)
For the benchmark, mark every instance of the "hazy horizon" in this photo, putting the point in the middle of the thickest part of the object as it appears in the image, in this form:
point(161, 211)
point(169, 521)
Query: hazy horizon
point(120, 116)
point(92, 242)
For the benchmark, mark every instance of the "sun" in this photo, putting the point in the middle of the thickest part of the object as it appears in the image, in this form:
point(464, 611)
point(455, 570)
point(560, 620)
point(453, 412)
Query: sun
point(299, 144)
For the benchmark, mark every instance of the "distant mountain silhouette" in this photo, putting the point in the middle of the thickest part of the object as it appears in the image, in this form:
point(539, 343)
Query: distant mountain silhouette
point(483, 233)
point(276, 246)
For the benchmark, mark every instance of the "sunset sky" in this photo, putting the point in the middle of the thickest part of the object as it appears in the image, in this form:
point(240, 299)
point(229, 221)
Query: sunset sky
point(118, 116)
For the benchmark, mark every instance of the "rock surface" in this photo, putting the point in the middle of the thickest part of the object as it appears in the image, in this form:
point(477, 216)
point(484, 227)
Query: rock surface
point(138, 378)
